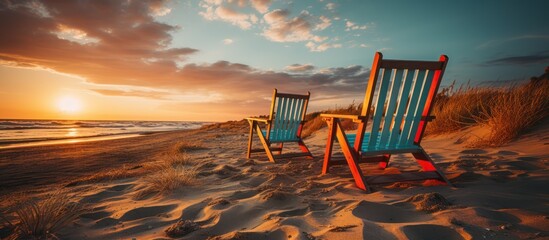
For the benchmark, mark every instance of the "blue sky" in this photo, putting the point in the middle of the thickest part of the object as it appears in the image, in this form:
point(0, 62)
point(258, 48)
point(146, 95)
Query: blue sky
point(478, 36)
point(220, 59)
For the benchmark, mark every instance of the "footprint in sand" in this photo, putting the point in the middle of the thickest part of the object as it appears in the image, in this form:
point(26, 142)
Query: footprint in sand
point(507, 153)
point(474, 151)
point(144, 212)
point(528, 159)
point(106, 222)
point(109, 193)
point(430, 231)
point(386, 213)
point(96, 215)
point(497, 217)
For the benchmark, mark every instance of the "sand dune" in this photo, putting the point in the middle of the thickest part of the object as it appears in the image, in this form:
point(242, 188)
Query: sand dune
point(500, 193)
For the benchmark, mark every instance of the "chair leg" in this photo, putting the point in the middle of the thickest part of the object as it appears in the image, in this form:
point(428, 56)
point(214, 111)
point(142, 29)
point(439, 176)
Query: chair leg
point(304, 148)
point(329, 147)
point(352, 158)
point(385, 162)
point(265, 144)
point(281, 146)
point(427, 164)
point(250, 139)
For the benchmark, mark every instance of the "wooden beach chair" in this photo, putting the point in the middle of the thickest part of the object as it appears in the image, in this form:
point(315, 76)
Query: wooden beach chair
point(283, 125)
point(404, 92)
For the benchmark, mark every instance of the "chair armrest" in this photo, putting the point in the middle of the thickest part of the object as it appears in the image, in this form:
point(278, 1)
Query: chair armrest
point(264, 120)
point(355, 118)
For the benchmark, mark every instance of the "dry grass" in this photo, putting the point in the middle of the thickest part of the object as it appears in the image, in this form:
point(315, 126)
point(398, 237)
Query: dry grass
point(513, 111)
point(179, 156)
point(458, 110)
point(111, 174)
point(185, 146)
point(43, 219)
point(174, 170)
point(241, 125)
point(313, 121)
point(167, 179)
point(506, 111)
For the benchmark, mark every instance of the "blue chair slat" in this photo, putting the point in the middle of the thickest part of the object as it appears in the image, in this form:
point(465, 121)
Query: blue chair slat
point(352, 137)
point(420, 106)
point(287, 119)
point(378, 113)
point(403, 103)
point(391, 106)
point(408, 119)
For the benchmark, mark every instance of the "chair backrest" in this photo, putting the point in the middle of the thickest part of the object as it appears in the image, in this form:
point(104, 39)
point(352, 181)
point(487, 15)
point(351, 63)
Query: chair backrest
point(287, 114)
point(404, 91)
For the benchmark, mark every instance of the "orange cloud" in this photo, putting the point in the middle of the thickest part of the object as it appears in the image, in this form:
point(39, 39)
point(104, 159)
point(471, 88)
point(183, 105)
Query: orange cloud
point(132, 49)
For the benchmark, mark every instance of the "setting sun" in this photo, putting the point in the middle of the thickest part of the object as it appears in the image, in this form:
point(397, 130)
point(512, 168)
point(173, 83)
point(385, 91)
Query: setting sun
point(69, 105)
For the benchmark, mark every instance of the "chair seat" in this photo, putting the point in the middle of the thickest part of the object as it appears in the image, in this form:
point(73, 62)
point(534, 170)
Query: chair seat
point(365, 144)
point(282, 136)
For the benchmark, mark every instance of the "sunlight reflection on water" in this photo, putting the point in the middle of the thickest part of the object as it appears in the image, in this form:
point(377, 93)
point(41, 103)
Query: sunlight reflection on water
point(72, 132)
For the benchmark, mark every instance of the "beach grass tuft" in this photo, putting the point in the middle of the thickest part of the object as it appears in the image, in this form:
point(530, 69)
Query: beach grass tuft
point(185, 146)
point(507, 112)
point(42, 219)
point(178, 158)
point(515, 110)
point(167, 179)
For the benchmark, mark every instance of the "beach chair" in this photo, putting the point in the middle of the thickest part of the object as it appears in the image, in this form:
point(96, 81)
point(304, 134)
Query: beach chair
point(404, 93)
point(283, 125)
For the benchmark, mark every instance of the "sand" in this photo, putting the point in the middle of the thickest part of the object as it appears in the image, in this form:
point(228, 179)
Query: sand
point(499, 193)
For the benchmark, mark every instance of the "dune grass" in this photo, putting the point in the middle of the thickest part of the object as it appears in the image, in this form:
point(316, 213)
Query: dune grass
point(167, 179)
point(460, 109)
point(314, 122)
point(174, 170)
point(515, 110)
point(42, 219)
point(507, 112)
point(126, 171)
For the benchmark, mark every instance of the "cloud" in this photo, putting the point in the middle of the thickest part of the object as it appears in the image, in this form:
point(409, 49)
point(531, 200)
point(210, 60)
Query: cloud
point(231, 11)
point(314, 47)
point(227, 41)
point(495, 43)
point(276, 25)
point(130, 46)
point(130, 57)
point(541, 57)
point(300, 68)
point(159, 95)
point(261, 6)
point(283, 28)
point(324, 23)
point(228, 14)
point(353, 26)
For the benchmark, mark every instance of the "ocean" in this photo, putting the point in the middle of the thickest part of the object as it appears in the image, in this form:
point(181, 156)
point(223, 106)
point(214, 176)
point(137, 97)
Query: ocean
point(20, 133)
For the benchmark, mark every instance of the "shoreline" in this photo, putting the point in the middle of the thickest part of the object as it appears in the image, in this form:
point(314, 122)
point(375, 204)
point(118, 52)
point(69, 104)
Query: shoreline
point(56, 141)
point(34, 167)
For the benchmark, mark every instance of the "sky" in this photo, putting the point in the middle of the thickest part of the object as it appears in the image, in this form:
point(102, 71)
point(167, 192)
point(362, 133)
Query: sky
point(218, 60)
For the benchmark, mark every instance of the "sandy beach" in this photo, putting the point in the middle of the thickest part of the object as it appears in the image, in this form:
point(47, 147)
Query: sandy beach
point(499, 193)
point(133, 120)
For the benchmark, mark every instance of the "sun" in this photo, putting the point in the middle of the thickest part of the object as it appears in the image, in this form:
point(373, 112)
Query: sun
point(68, 104)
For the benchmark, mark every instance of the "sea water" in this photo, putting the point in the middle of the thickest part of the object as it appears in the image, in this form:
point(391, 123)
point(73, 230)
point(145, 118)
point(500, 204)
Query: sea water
point(16, 133)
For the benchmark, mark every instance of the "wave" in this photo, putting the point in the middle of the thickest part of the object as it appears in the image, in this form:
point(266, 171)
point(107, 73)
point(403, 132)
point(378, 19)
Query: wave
point(67, 124)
